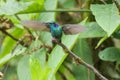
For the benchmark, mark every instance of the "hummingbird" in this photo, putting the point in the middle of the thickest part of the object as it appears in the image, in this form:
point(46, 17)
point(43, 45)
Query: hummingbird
point(55, 29)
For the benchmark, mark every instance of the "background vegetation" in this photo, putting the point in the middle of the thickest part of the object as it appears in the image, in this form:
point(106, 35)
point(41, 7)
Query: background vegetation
point(24, 58)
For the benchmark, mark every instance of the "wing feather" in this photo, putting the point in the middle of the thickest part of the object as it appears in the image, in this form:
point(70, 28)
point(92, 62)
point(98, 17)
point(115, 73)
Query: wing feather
point(36, 25)
point(73, 29)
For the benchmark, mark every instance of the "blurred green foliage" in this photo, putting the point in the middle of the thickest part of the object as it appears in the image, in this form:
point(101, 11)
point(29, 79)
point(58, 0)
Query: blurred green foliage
point(18, 62)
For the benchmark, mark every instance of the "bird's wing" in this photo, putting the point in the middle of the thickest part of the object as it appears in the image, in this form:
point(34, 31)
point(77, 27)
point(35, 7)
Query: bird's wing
point(73, 29)
point(36, 25)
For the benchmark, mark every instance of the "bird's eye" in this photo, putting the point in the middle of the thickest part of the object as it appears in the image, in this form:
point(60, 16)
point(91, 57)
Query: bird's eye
point(56, 25)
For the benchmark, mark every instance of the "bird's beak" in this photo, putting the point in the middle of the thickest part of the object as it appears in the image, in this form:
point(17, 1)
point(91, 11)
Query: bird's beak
point(47, 24)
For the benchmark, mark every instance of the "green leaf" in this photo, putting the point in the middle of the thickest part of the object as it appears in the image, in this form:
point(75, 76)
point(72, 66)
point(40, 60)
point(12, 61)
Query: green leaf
point(48, 17)
point(93, 30)
point(9, 9)
point(82, 49)
point(23, 69)
point(57, 55)
point(49, 5)
point(119, 1)
point(110, 54)
point(40, 2)
point(65, 71)
point(36, 6)
point(107, 16)
point(40, 54)
point(37, 72)
point(67, 3)
point(20, 49)
point(15, 20)
point(35, 69)
point(101, 41)
point(46, 37)
point(21, 8)
point(9, 43)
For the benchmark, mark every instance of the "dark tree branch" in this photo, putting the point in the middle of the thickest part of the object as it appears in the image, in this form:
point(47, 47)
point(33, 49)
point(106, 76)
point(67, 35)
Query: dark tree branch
point(78, 60)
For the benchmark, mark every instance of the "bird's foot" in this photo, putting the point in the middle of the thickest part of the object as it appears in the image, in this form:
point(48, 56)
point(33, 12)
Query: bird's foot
point(54, 40)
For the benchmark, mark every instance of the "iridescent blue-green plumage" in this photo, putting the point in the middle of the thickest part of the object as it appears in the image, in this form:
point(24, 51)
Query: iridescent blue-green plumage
point(56, 31)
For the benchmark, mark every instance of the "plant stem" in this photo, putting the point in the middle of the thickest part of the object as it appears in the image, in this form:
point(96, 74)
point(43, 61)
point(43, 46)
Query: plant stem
point(58, 10)
point(78, 60)
point(103, 1)
point(67, 10)
point(5, 32)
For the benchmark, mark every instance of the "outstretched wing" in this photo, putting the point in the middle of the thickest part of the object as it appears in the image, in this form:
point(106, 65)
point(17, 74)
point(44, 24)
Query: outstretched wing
point(36, 25)
point(73, 29)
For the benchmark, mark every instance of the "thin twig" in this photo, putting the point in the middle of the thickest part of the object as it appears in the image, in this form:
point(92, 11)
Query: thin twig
point(5, 32)
point(28, 30)
point(25, 27)
point(59, 10)
point(17, 17)
point(117, 4)
point(103, 1)
point(80, 61)
point(67, 10)
point(1, 76)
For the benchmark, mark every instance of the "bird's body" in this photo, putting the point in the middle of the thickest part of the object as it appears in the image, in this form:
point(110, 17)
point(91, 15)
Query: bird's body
point(56, 31)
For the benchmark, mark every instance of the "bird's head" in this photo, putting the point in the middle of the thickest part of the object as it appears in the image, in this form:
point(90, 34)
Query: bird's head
point(52, 24)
